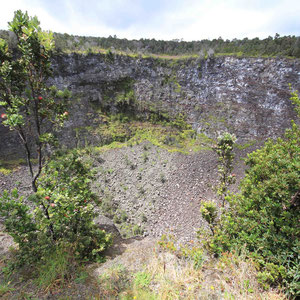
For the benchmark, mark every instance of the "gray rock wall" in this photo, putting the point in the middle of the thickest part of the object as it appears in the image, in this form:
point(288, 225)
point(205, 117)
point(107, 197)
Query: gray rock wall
point(247, 96)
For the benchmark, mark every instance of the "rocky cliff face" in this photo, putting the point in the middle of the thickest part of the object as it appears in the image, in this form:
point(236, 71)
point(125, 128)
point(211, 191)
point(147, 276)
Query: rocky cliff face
point(247, 96)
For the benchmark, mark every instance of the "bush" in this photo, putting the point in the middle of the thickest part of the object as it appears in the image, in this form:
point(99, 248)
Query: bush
point(264, 217)
point(209, 214)
point(62, 214)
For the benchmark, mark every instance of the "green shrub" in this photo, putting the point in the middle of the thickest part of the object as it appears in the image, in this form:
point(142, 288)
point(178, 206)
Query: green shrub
point(109, 56)
point(224, 150)
point(66, 181)
point(123, 216)
point(209, 214)
point(163, 178)
point(19, 223)
point(63, 213)
point(142, 279)
point(264, 216)
point(117, 219)
point(270, 275)
point(137, 230)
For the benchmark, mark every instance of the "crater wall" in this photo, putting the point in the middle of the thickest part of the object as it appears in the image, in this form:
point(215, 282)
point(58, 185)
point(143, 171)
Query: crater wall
point(247, 96)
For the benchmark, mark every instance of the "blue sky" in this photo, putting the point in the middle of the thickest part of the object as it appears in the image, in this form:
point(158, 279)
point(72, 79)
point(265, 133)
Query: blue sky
point(162, 19)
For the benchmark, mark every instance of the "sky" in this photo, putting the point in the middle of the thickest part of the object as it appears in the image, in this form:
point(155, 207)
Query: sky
point(162, 19)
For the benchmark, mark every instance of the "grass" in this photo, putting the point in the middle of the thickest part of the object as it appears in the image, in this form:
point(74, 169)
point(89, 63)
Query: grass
point(168, 277)
point(5, 171)
point(245, 145)
point(56, 270)
point(113, 282)
point(163, 136)
point(99, 50)
point(171, 272)
point(10, 165)
point(5, 289)
point(55, 275)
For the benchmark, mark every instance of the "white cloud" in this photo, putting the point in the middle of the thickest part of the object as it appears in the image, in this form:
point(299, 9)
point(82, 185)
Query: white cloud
point(7, 11)
point(48, 22)
point(208, 21)
point(189, 19)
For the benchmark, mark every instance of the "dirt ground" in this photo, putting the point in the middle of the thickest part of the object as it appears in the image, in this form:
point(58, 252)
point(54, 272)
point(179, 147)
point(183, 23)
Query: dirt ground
point(159, 191)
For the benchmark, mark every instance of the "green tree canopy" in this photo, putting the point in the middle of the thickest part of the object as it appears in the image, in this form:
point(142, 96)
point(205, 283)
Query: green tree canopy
point(31, 108)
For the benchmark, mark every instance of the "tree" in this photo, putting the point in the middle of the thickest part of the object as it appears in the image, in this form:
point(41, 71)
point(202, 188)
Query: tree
point(208, 210)
point(32, 109)
point(61, 210)
point(224, 150)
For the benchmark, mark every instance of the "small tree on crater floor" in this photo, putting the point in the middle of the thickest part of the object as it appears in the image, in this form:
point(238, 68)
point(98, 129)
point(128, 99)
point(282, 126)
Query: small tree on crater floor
point(208, 210)
point(224, 150)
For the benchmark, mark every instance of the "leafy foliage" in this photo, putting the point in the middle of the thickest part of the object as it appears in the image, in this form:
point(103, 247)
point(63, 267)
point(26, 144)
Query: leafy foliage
point(209, 213)
point(60, 213)
point(270, 46)
point(32, 109)
point(19, 223)
point(66, 182)
point(224, 150)
point(264, 217)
